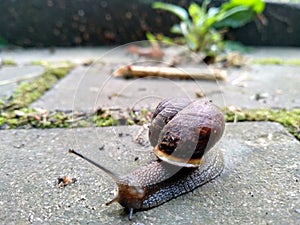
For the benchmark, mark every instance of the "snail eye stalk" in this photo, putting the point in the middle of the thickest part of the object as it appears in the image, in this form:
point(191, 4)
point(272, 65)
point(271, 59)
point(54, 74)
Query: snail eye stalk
point(114, 176)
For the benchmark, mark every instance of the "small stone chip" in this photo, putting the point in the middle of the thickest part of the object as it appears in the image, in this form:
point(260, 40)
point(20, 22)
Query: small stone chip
point(64, 181)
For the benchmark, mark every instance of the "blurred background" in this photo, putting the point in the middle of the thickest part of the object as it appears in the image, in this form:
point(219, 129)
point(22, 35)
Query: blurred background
point(36, 23)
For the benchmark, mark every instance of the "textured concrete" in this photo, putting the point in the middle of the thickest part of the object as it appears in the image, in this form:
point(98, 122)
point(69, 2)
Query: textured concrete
point(254, 86)
point(76, 55)
point(260, 183)
point(86, 88)
point(274, 52)
point(11, 76)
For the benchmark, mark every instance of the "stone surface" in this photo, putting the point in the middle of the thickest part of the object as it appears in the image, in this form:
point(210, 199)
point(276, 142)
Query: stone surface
point(11, 76)
point(255, 86)
point(76, 55)
point(274, 52)
point(260, 183)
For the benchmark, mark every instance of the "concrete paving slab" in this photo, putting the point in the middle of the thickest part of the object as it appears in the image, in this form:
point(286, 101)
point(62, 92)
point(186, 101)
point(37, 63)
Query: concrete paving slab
point(260, 183)
point(10, 77)
point(110, 53)
point(85, 89)
point(88, 88)
point(91, 87)
point(274, 52)
point(76, 55)
point(23, 56)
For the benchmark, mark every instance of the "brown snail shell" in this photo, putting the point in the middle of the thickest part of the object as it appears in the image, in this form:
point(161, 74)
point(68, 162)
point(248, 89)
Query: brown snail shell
point(182, 130)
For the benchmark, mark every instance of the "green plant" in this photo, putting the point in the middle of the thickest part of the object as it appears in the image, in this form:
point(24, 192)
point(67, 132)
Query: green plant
point(3, 42)
point(202, 28)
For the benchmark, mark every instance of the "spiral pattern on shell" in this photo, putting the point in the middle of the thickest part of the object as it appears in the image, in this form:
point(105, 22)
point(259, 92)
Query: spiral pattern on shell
point(182, 130)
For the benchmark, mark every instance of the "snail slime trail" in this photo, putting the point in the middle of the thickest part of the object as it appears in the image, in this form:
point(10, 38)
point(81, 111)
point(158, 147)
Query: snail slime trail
point(183, 134)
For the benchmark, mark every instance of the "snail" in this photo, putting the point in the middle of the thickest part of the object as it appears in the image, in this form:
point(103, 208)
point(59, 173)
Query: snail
point(183, 134)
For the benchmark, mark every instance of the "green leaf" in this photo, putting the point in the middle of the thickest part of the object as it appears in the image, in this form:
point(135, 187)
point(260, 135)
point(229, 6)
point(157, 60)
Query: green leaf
point(176, 29)
point(235, 17)
point(211, 18)
point(177, 10)
point(212, 11)
point(150, 36)
point(154, 39)
point(256, 5)
point(3, 41)
point(167, 40)
point(192, 42)
point(236, 46)
point(205, 5)
point(196, 12)
point(199, 25)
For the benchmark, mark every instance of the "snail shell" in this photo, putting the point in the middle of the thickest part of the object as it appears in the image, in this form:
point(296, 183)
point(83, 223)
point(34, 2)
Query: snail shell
point(182, 131)
point(183, 134)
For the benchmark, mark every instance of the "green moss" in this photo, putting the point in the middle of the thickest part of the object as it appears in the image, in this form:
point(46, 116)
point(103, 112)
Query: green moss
point(2, 120)
point(130, 122)
point(8, 62)
point(16, 114)
point(32, 118)
point(29, 91)
point(288, 118)
point(276, 61)
point(104, 120)
point(59, 72)
point(40, 63)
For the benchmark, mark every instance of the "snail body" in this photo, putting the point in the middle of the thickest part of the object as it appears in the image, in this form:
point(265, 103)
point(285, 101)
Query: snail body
point(156, 183)
point(183, 134)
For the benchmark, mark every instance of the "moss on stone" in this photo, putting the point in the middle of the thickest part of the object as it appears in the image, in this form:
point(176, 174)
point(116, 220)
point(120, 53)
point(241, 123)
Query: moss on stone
point(288, 118)
point(104, 121)
point(15, 113)
point(29, 91)
point(8, 62)
point(276, 61)
point(33, 118)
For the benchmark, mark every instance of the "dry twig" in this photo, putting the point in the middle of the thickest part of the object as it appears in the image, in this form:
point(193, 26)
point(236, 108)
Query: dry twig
point(170, 72)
